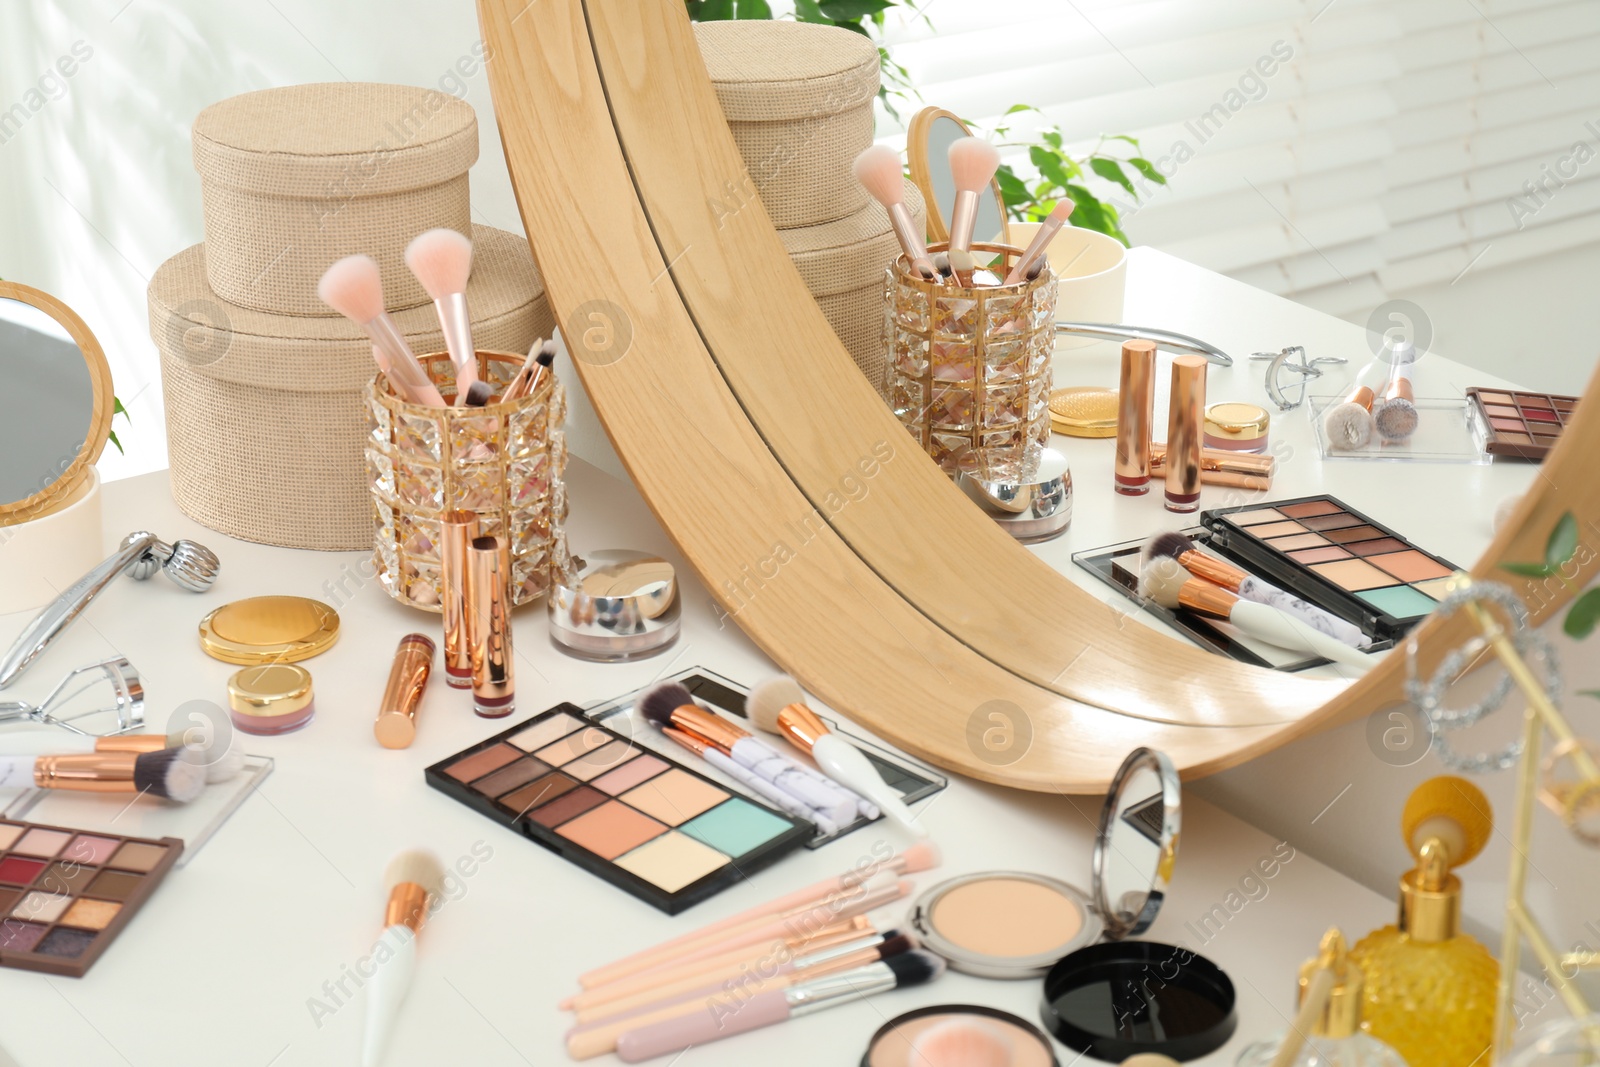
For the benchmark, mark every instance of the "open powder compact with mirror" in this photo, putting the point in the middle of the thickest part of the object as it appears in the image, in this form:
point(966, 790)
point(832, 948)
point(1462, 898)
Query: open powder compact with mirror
point(1103, 993)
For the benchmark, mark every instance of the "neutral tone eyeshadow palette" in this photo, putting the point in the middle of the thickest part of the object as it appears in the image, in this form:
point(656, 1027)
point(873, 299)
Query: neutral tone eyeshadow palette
point(65, 894)
point(1519, 424)
point(1325, 552)
point(642, 821)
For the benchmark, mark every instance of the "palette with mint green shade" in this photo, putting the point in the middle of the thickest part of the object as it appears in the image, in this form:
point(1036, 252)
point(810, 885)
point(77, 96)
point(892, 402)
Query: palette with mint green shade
point(734, 827)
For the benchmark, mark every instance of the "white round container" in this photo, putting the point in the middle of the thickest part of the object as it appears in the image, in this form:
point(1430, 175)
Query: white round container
point(40, 558)
point(1092, 273)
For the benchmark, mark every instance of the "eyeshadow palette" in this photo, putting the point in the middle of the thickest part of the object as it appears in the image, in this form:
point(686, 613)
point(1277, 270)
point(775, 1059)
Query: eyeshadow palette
point(65, 894)
point(1519, 424)
point(1324, 551)
point(644, 822)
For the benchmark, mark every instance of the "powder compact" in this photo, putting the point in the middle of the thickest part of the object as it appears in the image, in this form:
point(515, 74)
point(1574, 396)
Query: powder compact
point(623, 605)
point(638, 819)
point(269, 629)
point(1520, 424)
point(896, 1042)
point(1015, 925)
point(65, 894)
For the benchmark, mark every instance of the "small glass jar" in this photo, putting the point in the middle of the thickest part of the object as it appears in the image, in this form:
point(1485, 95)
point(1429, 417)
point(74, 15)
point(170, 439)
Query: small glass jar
point(271, 698)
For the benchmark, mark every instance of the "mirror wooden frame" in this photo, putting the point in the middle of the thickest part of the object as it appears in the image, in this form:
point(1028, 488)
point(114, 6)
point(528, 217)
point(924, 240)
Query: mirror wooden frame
point(921, 169)
point(46, 499)
point(793, 491)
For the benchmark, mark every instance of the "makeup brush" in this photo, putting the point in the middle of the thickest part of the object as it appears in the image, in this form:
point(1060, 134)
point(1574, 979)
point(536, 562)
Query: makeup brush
point(725, 1017)
point(1181, 547)
point(540, 356)
point(914, 860)
point(1348, 423)
point(382, 360)
point(670, 704)
point(973, 162)
point(1041, 240)
point(38, 743)
point(1396, 419)
point(962, 266)
point(878, 170)
point(586, 1042)
point(962, 1043)
point(441, 259)
point(354, 288)
point(477, 394)
point(1165, 581)
point(169, 773)
point(778, 706)
point(751, 780)
point(412, 879)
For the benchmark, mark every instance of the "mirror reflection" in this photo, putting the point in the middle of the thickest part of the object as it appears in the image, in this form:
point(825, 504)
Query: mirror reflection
point(1134, 848)
point(942, 133)
point(47, 407)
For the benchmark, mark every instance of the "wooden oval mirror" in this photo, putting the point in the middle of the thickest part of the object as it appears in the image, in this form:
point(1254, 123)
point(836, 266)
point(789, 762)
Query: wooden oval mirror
point(791, 488)
point(56, 406)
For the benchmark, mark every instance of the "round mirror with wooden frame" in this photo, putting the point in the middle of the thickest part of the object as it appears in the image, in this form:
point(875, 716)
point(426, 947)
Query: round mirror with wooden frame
point(902, 605)
point(55, 406)
point(928, 141)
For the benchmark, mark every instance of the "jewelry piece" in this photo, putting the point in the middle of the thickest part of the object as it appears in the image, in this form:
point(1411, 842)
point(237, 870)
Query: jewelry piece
point(1571, 798)
point(1292, 358)
point(126, 708)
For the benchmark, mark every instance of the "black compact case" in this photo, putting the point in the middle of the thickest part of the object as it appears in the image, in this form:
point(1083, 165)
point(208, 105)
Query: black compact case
point(550, 786)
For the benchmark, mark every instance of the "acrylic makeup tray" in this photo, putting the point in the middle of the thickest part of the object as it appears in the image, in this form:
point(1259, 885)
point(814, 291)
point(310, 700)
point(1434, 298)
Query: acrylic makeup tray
point(914, 781)
point(1448, 431)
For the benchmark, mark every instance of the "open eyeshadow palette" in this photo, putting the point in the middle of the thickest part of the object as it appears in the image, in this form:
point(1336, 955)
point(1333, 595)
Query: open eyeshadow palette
point(666, 834)
point(65, 895)
point(1326, 552)
point(912, 780)
point(1522, 425)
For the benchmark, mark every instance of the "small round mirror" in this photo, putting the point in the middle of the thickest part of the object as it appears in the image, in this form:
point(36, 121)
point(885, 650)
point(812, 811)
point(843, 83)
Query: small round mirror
point(55, 408)
point(928, 143)
point(1138, 843)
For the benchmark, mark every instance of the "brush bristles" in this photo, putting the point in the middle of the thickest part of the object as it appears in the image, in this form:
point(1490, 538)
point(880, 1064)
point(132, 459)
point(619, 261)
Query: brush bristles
point(354, 288)
point(442, 261)
point(768, 699)
point(1348, 426)
point(659, 702)
point(1162, 580)
point(923, 856)
point(172, 774)
point(957, 1042)
point(417, 866)
point(914, 968)
point(878, 170)
point(1397, 420)
point(894, 943)
point(1169, 545)
point(1062, 211)
point(973, 162)
point(478, 394)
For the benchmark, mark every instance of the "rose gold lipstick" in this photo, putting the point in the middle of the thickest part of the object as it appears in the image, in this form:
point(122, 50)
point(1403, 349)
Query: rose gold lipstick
point(1185, 433)
point(488, 614)
point(1135, 410)
point(396, 725)
point(458, 528)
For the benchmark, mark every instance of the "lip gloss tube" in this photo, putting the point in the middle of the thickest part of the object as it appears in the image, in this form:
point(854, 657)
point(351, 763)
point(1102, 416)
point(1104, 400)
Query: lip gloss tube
point(458, 528)
point(1185, 433)
point(396, 725)
point(1135, 410)
point(489, 628)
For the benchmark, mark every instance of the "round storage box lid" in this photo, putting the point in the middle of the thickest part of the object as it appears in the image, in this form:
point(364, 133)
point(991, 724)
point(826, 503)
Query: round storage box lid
point(851, 253)
point(388, 138)
point(779, 71)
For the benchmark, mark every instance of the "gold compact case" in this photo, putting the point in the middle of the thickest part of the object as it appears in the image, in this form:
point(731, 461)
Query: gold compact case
point(1237, 427)
point(1084, 411)
point(269, 629)
point(623, 605)
point(271, 698)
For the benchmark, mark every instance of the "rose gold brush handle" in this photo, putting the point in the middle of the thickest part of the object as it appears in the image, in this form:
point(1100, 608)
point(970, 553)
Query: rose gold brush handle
point(403, 362)
point(905, 230)
point(963, 219)
point(457, 326)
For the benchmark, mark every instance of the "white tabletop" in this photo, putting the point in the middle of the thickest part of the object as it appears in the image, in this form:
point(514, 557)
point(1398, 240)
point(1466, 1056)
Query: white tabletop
point(225, 963)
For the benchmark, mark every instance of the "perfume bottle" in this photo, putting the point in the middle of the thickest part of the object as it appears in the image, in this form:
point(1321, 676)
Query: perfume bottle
point(1430, 989)
point(1335, 1038)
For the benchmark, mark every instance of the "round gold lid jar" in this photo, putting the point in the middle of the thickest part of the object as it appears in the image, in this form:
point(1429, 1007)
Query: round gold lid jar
point(269, 629)
point(271, 698)
point(1237, 427)
point(1084, 411)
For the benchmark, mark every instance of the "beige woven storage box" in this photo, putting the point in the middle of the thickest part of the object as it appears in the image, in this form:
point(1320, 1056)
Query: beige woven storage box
point(266, 414)
point(842, 263)
point(798, 98)
point(292, 179)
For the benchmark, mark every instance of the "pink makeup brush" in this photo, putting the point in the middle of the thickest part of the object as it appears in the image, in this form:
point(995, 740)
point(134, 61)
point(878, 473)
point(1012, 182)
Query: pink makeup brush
point(878, 170)
point(1047, 233)
point(442, 261)
point(914, 860)
point(973, 162)
point(354, 289)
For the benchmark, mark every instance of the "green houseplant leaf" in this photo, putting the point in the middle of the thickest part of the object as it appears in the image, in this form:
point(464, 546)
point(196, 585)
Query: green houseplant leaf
point(1563, 543)
point(1583, 616)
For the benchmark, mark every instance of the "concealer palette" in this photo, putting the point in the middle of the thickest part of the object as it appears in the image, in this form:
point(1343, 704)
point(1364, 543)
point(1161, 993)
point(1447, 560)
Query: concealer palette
point(1326, 552)
point(641, 820)
point(1519, 424)
point(66, 894)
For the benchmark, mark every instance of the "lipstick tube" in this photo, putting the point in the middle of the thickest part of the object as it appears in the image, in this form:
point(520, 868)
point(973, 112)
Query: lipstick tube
point(1135, 410)
point(396, 725)
point(1224, 476)
point(1222, 460)
point(457, 529)
point(488, 614)
point(1185, 433)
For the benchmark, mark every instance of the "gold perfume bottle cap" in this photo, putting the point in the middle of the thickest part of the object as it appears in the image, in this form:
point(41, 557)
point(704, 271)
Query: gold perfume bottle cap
point(1445, 823)
point(1341, 1017)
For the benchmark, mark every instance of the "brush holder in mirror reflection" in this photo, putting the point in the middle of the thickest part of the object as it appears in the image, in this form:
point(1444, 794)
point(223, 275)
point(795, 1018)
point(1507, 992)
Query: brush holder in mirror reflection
point(969, 371)
point(503, 462)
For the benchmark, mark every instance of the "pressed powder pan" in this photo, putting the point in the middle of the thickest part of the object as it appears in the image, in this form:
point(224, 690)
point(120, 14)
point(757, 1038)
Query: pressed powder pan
point(894, 1045)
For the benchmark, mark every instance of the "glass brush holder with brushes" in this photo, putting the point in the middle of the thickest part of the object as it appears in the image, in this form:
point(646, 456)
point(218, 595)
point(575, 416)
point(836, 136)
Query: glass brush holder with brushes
point(503, 462)
point(969, 372)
